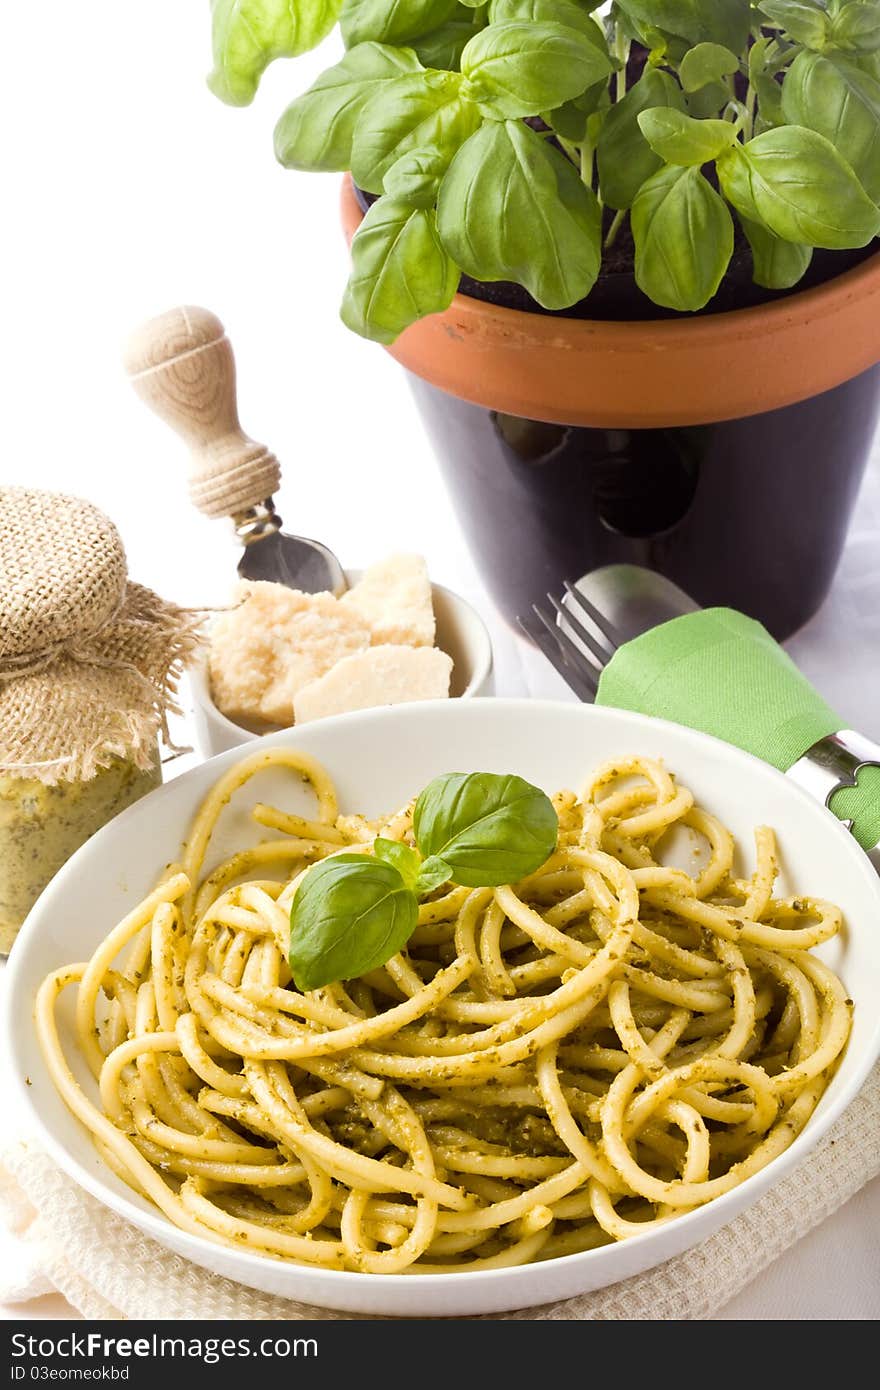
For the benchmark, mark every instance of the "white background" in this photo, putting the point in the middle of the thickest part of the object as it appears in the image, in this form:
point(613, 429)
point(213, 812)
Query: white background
point(128, 188)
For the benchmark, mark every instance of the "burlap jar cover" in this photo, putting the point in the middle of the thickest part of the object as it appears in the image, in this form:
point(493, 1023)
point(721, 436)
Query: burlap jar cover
point(88, 660)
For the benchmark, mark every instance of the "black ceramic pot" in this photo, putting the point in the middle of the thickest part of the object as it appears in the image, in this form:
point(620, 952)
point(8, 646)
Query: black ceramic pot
point(749, 513)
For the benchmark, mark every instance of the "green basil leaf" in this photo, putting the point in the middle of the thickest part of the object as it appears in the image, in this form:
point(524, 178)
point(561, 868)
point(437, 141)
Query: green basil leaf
point(512, 207)
point(424, 110)
point(400, 271)
point(794, 182)
point(405, 860)
point(571, 119)
point(763, 79)
point(725, 22)
point(433, 874)
point(416, 176)
point(488, 829)
point(856, 27)
point(778, 264)
point(679, 139)
point(831, 95)
point(709, 101)
point(350, 915)
point(665, 50)
point(248, 35)
point(868, 62)
point(706, 64)
point(523, 67)
point(391, 21)
point(316, 130)
point(443, 46)
point(551, 11)
point(683, 234)
point(804, 21)
point(624, 156)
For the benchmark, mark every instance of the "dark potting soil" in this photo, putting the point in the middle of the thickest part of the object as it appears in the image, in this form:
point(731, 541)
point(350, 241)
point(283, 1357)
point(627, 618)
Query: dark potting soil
point(617, 297)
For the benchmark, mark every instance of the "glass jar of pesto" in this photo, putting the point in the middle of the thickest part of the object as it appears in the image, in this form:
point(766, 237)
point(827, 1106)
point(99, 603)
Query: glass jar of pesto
point(42, 824)
point(88, 666)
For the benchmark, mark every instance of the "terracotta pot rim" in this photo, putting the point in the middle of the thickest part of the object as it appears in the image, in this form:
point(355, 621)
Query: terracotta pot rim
point(730, 320)
point(646, 373)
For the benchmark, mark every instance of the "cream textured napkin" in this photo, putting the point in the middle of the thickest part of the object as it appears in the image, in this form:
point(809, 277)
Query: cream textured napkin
point(107, 1269)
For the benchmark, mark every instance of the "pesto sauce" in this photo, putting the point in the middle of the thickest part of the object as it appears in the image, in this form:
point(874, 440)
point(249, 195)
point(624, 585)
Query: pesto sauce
point(42, 826)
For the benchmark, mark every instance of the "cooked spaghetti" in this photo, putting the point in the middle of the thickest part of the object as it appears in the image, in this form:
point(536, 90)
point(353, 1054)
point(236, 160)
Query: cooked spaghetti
point(549, 1066)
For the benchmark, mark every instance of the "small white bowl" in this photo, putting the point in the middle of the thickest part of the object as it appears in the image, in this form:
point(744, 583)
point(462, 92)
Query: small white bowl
point(461, 633)
point(379, 758)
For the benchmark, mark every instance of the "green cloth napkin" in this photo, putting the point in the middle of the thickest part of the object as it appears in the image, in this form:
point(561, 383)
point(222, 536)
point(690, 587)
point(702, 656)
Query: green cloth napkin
point(718, 671)
point(721, 672)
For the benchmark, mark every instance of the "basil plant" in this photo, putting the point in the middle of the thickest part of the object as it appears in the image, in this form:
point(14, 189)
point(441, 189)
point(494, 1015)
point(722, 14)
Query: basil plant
point(514, 140)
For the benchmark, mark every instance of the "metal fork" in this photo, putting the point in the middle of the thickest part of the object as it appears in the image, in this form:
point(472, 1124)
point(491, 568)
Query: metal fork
point(580, 632)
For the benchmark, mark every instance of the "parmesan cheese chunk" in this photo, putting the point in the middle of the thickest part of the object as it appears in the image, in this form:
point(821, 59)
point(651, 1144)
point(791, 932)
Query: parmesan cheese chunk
point(385, 675)
point(394, 599)
point(274, 642)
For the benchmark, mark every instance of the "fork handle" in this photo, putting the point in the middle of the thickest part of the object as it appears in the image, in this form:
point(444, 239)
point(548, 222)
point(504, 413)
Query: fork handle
point(846, 763)
point(182, 366)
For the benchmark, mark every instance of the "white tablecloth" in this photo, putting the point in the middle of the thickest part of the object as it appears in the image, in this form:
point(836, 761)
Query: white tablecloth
point(164, 196)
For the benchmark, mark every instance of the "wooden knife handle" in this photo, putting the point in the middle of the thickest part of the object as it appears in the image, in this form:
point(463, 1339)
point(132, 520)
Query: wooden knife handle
point(181, 364)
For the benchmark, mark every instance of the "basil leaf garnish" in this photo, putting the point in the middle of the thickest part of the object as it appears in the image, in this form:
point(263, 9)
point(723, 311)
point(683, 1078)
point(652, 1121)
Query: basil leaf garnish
point(406, 861)
point(488, 829)
point(351, 914)
point(433, 873)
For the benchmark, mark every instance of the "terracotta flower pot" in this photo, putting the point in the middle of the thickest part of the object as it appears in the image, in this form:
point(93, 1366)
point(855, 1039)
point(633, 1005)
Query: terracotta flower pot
point(724, 450)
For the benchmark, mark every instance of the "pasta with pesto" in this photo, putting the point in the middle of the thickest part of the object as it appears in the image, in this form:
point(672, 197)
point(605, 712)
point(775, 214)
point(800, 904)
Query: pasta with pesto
point(547, 1067)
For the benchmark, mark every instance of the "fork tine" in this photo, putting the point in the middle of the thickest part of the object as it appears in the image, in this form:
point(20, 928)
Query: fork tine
point(547, 642)
point(575, 658)
point(577, 667)
point(538, 634)
point(607, 628)
point(566, 617)
point(541, 636)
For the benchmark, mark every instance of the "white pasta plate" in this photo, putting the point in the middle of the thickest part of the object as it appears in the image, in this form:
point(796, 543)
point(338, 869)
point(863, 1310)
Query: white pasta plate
point(379, 759)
